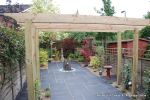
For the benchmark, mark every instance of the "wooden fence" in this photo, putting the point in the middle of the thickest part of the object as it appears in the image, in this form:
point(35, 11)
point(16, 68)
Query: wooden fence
point(9, 89)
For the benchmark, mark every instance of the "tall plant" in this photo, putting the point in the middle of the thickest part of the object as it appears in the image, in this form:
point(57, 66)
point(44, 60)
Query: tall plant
point(127, 75)
point(147, 81)
point(106, 10)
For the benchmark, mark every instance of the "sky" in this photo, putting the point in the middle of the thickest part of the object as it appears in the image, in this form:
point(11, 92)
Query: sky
point(133, 8)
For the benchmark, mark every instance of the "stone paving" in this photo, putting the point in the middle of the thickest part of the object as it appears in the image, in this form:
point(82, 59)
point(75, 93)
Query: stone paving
point(77, 85)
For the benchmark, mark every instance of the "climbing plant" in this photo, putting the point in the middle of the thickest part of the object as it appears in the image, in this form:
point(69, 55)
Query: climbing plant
point(147, 86)
point(11, 52)
point(126, 75)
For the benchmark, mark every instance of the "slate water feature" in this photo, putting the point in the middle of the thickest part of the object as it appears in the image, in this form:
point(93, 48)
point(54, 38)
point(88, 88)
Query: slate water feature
point(67, 67)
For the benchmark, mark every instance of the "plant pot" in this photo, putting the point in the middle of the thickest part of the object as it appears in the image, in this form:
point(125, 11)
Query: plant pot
point(100, 72)
point(126, 87)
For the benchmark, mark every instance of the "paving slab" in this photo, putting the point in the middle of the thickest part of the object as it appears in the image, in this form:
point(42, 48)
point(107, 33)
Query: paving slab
point(78, 85)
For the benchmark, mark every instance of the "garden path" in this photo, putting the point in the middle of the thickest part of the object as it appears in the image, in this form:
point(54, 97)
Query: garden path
point(78, 85)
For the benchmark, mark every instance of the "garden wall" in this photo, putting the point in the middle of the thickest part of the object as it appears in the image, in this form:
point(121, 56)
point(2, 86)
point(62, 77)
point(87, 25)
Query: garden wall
point(10, 89)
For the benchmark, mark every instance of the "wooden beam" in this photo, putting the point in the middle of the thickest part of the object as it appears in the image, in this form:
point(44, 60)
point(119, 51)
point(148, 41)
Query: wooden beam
point(135, 61)
point(85, 27)
point(29, 64)
point(119, 60)
point(80, 19)
point(37, 54)
point(33, 43)
point(76, 30)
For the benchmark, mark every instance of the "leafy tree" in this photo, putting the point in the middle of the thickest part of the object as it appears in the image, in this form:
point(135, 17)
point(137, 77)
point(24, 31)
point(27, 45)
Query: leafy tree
point(9, 2)
point(144, 33)
point(147, 16)
point(127, 35)
point(107, 10)
point(44, 6)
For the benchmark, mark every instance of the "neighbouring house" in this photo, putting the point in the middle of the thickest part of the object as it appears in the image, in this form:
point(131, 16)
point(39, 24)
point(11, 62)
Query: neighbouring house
point(127, 46)
point(16, 8)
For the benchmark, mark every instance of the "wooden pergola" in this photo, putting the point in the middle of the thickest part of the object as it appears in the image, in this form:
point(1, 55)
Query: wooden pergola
point(53, 22)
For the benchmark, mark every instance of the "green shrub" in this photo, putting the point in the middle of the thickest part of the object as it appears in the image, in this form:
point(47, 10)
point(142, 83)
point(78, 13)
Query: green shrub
point(147, 52)
point(94, 62)
point(71, 56)
point(80, 58)
point(43, 57)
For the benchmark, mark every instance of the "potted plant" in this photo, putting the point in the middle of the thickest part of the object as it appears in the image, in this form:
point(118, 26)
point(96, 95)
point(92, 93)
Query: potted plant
point(45, 94)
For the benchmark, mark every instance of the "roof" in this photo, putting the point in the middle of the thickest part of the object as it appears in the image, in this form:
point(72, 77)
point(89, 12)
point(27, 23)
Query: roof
point(130, 40)
point(13, 8)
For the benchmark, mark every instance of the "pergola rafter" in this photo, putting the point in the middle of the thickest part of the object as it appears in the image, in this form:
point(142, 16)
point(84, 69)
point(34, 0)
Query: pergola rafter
point(81, 23)
point(75, 22)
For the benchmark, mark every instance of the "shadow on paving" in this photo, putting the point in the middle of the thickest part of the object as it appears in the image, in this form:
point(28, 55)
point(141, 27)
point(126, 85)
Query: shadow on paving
point(77, 85)
point(23, 93)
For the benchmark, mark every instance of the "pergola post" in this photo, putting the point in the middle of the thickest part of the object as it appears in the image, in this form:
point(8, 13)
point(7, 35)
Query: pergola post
point(135, 61)
point(30, 74)
point(37, 54)
point(119, 58)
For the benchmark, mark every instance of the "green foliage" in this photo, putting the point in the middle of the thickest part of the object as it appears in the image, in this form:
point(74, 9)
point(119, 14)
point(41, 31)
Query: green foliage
point(43, 57)
point(107, 10)
point(147, 52)
point(11, 45)
point(147, 16)
point(100, 54)
point(80, 59)
point(127, 35)
point(76, 56)
point(71, 56)
point(44, 6)
point(57, 55)
point(145, 32)
point(37, 89)
point(11, 52)
point(79, 36)
point(100, 51)
point(45, 39)
point(147, 81)
point(95, 62)
point(105, 36)
point(126, 74)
